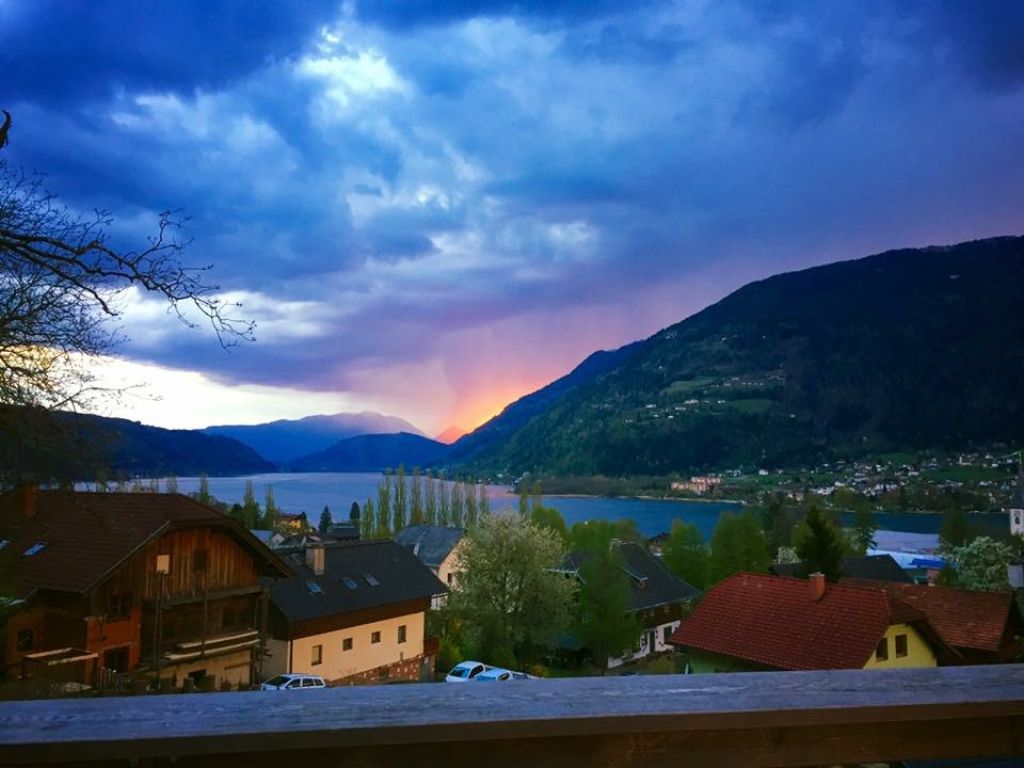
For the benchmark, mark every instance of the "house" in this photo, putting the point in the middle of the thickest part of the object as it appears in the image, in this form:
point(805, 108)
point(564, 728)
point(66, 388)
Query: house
point(437, 547)
point(156, 585)
point(983, 627)
point(658, 598)
point(353, 613)
point(758, 622)
point(1015, 509)
point(870, 567)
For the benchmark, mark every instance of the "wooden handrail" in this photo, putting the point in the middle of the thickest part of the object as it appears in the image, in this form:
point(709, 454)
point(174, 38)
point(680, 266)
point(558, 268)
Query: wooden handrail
point(743, 719)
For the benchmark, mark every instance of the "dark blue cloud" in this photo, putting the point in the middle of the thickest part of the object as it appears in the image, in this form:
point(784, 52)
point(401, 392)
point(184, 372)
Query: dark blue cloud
point(70, 52)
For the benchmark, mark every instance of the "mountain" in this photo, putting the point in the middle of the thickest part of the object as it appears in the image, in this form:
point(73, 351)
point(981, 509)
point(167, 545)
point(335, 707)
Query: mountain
point(905, 350)
point(517, 414)
point(41, 445)
point(284, 440)
point(372, 453)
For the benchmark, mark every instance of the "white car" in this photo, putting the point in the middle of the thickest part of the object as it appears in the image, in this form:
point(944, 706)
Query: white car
point(497, 675)
point(294, 682)
point(465, 670)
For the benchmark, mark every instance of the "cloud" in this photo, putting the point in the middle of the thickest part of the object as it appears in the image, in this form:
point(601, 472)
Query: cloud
point(412, 199)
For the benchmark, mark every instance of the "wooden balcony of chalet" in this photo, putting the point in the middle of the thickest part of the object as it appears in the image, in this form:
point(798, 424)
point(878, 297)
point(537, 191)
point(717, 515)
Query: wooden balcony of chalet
point(747, 719)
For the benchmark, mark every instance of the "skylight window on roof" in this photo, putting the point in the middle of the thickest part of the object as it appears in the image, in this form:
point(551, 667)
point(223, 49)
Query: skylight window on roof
point(371, 580)
point(35, 549)
point(313, 587)
point(349, 582)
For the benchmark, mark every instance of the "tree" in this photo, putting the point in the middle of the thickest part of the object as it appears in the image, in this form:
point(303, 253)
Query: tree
point(603, 623)
point(737, 544)
point(864, 527)
point(457, 502)
point(400, 502)
point(686, 555)
point(444, 501)
point(382, 527)
point(550, 519)
point(512, 603)
point(953, 531)
point(416, 512)
point(271, 513)
point(250, 507)
point(483, 503)
point(325, 520)
point(62, 277)
point(536, 499)
point(171, 484)
point(469, 505)
point(354, 515)
point(430, 500)
point(819, 545)
point(597, 535)
point(524, 499)
point(367, 522)
point(204, 496)
point(982, 564)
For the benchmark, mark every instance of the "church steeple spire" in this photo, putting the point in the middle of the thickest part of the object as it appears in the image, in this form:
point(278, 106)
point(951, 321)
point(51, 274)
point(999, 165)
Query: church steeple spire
point(1016, 508)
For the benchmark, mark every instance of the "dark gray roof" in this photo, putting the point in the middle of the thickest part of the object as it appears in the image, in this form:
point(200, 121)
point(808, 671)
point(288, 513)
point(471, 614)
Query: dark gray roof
point(651, 583)
point(431, 543)
point(357, 576)
point(872, 568)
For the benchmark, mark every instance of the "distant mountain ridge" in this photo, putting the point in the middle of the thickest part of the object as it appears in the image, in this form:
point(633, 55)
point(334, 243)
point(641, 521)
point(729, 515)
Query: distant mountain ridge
point(373, 453)
point(40, 446)
point(904, 350)
point(285, 440)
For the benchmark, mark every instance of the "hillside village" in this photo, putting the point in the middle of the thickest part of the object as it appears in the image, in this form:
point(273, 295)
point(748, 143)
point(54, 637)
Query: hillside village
point(118, 593)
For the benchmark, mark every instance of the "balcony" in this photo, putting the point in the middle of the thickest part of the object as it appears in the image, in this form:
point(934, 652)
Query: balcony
point(748, 719)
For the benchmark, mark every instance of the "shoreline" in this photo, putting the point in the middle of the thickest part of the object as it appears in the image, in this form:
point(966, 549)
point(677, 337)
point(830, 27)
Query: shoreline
point(641, 497)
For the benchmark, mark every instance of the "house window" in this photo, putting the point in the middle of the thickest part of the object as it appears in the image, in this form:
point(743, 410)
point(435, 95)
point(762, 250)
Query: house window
point(346, 644)
point(318, 655)
point(901, 646)
point(666, 633)
point(25, 640)
point(450, 579)
point(120, 606)
point(882, 651)
point(375, 637)
point(401, 633)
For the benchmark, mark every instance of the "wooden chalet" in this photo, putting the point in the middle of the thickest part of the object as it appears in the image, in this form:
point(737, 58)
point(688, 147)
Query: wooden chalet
point(97, 587)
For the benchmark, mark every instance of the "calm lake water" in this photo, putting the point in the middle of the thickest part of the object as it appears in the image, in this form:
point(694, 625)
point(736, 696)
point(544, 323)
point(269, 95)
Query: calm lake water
point(310, 492)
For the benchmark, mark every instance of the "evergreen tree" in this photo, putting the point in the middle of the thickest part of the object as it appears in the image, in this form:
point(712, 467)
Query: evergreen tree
point(953, 532)
point(416, 513)
point(819, 545)
point(401, 502)
point(603, 623)
point(685, 554)
point(367, 521)
point(325, 520)
point(204, 496)
point(737, 544)
point(271, 513)
point(864, 527)
point(354, 515)
point(536, 500)
point(524, 500)
point(430, 500)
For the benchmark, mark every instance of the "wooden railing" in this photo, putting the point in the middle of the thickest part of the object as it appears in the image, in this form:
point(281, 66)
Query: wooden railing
point(746, 719)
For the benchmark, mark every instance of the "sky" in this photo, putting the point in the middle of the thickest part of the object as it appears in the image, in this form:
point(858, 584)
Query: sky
point(430, 209)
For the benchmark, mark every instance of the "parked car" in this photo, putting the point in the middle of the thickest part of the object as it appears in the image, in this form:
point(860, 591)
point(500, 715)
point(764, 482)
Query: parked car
point(293, 682)
point(465, 670)
point(497, 675)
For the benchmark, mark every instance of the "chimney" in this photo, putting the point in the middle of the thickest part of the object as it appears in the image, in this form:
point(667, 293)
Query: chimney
point(817, 582)
point(315, 558)
point(29, 498)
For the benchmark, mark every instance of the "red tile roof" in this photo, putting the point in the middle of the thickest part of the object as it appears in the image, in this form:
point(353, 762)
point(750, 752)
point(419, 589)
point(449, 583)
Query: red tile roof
point(774, 621)
point(969, 620)
point(87, 535)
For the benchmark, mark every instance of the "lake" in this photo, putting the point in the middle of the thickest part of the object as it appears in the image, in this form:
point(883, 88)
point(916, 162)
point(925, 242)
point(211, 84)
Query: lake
point(310, 492)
